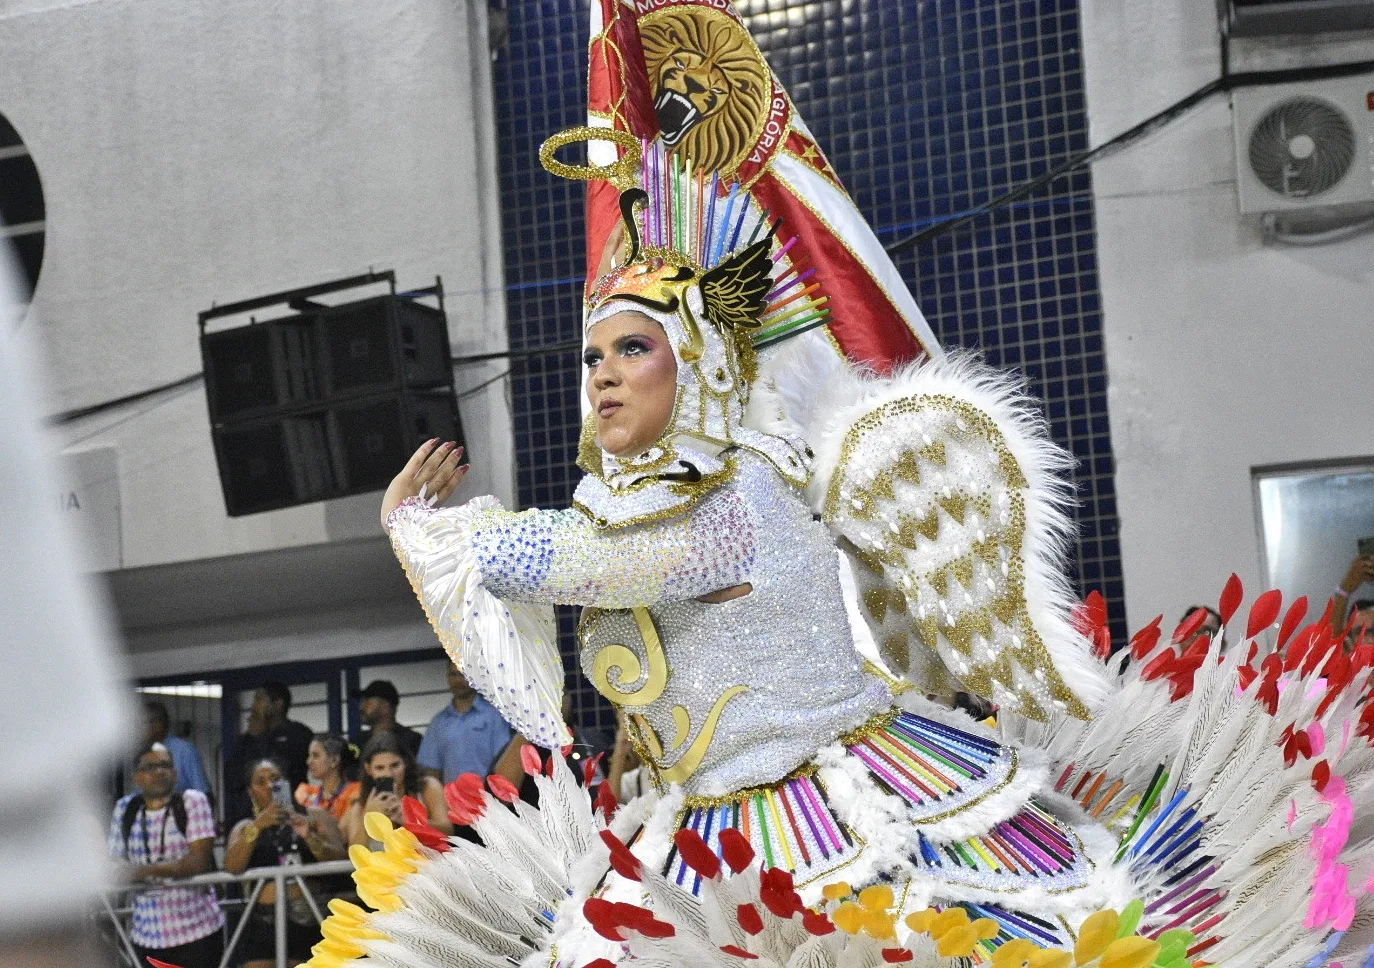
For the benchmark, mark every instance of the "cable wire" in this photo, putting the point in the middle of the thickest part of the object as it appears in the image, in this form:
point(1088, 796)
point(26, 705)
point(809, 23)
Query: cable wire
point(483, 385)
point(1225, 83)
point(79, 413)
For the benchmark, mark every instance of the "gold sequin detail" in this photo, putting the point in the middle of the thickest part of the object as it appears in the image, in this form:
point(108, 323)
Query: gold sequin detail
point(1019, 663)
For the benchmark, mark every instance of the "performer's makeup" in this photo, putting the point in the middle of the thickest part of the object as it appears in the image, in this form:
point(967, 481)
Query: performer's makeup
point(631, 382)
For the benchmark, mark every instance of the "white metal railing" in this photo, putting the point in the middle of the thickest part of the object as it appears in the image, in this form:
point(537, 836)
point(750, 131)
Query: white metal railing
point(281, 875)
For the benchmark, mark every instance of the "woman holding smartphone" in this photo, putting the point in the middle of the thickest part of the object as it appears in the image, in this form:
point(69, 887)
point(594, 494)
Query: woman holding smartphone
point(390, 775)
point(281, 832)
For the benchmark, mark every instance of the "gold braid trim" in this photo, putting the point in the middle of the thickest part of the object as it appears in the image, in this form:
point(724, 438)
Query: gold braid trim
point(739, 796)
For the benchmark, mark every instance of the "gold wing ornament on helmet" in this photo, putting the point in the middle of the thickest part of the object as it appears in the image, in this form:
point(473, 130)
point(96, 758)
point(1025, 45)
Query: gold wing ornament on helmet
point(736, 291)
point(942, 486)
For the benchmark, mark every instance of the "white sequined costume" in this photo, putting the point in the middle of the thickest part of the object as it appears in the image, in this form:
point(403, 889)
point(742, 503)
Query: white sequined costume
point(937, 491)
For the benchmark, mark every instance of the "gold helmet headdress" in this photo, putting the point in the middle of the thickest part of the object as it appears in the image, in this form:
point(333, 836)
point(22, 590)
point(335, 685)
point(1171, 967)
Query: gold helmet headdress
point(706, 264)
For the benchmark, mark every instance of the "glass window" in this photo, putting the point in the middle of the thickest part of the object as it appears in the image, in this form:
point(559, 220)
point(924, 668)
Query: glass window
point(1311, 519)
point(422, 686)
point(23, 213)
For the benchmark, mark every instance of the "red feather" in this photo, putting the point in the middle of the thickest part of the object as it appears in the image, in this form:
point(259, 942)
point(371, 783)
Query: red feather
point(817, 923)
point(695, 853)
point(1144, 641)
point(894, 956)
point(641, 919)
point(600, 914)
point(430, 837)
point(749, 919)
point(606, 801)
point(1296, 611)
point(1264, 612)
point(530, 759)
point(777, 894)
point(1231, 597)
point(738, 853)
point(465, 799)
point(413, 811)
point(504, 789)
point(1185, 629)
point(738, 952)
point(1090, 614)
point(589, 770)
point(1159, 665)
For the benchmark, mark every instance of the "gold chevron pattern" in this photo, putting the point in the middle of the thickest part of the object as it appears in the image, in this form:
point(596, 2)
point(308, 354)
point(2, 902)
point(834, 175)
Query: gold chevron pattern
point(940, 524)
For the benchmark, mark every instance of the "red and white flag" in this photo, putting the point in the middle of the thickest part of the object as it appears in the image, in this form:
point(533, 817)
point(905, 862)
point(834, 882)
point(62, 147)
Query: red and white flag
point(688, 72)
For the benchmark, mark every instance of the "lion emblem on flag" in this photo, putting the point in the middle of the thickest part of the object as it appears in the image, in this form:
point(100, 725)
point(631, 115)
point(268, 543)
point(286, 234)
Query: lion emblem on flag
point(710, 84)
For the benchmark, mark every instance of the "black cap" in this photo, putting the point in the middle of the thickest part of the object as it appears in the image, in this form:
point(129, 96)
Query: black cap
point(381, 689)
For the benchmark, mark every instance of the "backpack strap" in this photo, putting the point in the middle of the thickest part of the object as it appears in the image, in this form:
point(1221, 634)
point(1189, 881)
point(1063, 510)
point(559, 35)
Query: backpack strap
point(178, 807)
point(126, 823)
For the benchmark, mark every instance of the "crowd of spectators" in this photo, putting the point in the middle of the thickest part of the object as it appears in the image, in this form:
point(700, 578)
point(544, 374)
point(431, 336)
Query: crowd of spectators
point(290, 796)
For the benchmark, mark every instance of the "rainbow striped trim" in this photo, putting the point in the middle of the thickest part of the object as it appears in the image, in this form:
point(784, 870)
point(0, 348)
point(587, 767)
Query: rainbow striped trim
point(789, 824)
point(937, 769)
point(1032, 849)
point(693, 214)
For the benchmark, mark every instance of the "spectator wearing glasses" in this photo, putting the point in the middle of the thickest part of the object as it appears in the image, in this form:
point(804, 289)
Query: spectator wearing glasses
point(190, 767)
point(159, 834)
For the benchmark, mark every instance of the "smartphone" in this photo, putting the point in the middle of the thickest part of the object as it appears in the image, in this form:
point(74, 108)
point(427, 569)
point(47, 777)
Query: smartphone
point(384, 784)
point(1365, 546)
point(281, 794)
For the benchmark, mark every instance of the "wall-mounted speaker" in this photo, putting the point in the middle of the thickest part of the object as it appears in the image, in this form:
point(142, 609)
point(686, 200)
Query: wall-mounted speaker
point(327, 402)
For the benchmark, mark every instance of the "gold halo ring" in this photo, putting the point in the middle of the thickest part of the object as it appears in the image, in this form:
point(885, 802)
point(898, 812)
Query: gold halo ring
point(621, 173)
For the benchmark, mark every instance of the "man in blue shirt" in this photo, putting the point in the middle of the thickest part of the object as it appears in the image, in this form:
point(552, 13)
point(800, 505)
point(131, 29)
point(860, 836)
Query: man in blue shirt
point(466, 736)
point(190, 769)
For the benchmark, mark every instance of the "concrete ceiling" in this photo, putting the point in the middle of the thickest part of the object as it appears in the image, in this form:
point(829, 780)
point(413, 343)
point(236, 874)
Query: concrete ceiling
point(314, 578)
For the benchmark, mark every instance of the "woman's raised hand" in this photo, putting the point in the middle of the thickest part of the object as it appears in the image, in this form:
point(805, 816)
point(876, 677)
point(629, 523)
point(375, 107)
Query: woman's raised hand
point(385, 803)
point(433, 469)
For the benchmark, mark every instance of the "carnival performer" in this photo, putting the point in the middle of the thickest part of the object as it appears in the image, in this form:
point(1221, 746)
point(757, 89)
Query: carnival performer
point(757, 510)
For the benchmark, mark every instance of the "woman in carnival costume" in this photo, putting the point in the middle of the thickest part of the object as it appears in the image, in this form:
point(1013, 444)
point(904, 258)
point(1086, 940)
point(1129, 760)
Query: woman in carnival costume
point(742, 530)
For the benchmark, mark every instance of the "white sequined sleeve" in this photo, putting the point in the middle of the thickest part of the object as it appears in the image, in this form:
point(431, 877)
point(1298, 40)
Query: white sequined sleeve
point(560, 557)
point(507, 649)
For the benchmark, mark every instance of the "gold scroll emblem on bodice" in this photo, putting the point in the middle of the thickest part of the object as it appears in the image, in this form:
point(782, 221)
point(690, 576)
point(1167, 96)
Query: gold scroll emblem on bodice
point(617, 669)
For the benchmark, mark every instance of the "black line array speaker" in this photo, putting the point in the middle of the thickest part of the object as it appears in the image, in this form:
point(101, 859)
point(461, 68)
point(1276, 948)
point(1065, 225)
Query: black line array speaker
point(328, 402)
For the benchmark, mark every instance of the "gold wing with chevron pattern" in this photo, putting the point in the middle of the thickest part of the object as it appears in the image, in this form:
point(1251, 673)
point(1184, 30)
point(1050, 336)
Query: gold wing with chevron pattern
point(955, 551)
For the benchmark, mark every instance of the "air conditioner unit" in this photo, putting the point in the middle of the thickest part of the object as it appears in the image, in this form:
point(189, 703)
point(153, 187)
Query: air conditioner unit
point(1267, 18)
point(1305, 146)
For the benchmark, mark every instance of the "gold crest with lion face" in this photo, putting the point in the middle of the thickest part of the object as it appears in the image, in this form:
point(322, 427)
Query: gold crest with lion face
point(710, 84)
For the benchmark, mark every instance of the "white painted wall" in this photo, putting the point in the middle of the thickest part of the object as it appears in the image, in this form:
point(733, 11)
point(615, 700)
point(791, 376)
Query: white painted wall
point(1222, 353)
point(195, 151)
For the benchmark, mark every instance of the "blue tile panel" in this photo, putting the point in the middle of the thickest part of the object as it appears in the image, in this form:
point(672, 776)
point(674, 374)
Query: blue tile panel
point(926, 110)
